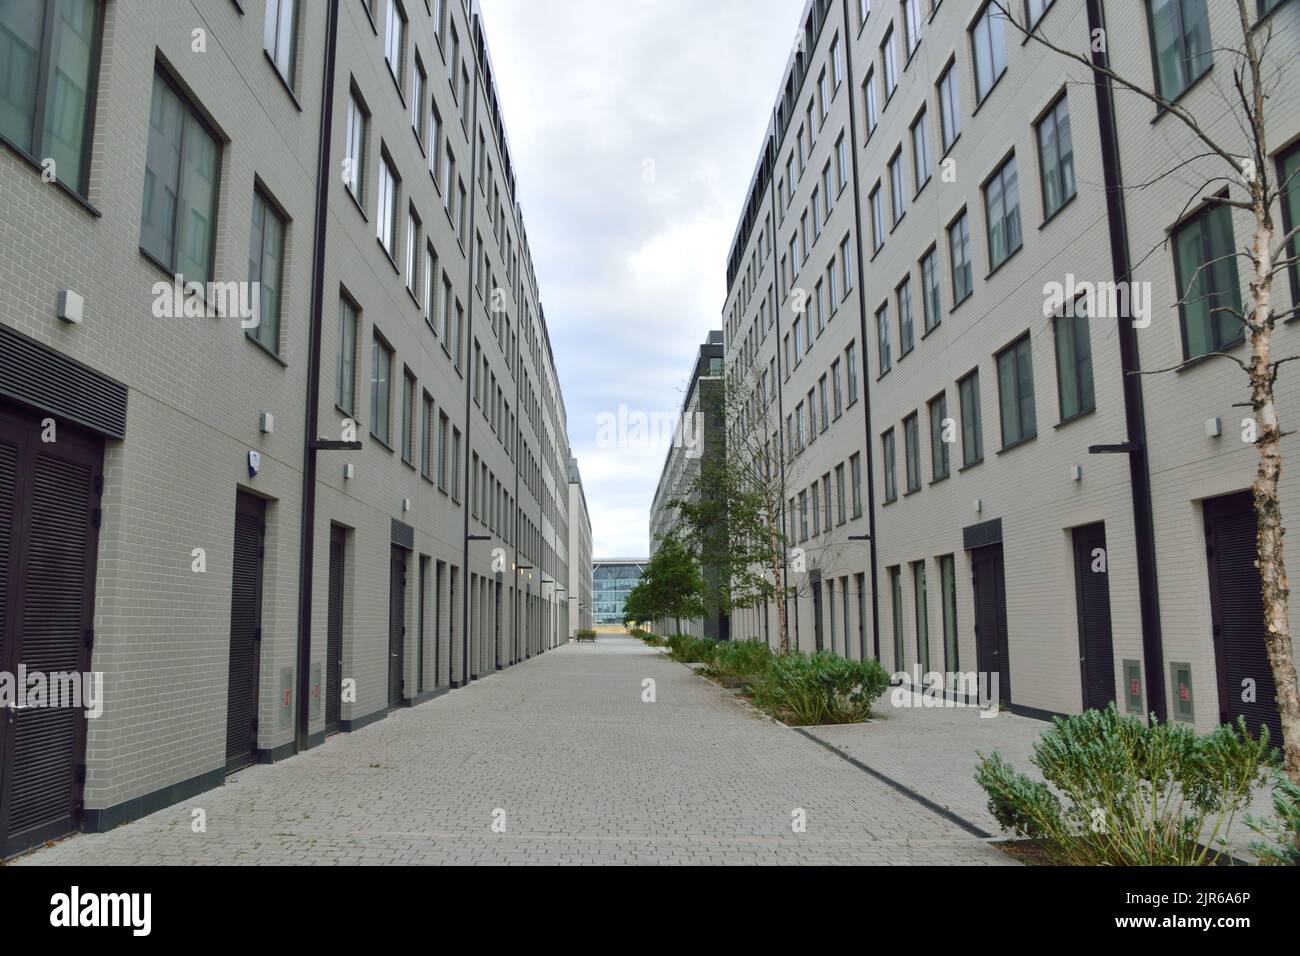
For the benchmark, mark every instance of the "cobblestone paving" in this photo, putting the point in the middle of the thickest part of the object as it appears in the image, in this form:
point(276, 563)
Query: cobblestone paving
point(582, 769)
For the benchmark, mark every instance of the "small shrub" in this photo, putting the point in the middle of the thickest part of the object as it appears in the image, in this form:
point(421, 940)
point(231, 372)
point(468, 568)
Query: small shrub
point(691, 650)
point(820, 688)
point(739, 660)
point(1134, 795)
point(1283, 831)
point(586, 634)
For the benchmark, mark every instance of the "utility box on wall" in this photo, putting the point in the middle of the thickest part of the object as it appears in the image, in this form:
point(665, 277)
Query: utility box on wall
point(286, 697)
point(1133, 687)
point(1181, 674)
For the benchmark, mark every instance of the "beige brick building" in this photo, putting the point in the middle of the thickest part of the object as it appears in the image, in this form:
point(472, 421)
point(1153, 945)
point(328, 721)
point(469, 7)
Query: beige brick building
point(1032, 510)
point(394, 383)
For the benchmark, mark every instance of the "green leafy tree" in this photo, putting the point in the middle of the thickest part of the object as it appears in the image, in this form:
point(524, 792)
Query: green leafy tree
point(671, 584)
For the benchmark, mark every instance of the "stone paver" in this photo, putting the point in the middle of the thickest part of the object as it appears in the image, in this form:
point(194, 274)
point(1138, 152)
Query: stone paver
point(584, 771)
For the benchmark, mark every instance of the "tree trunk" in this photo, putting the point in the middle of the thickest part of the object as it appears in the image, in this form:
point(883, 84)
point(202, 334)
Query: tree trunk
point(1268, 508)
point(778, 568)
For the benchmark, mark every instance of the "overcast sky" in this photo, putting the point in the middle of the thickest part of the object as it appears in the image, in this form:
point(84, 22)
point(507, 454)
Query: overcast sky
point(634, 127)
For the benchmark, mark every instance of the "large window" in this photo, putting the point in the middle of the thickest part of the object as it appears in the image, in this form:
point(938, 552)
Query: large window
point(988, 41)
point(882, 338)
point(948, 587)
point(395, 40)
point(280, 37)
point(386, 212)
point(178, 215)
point(266, 270)
point(346, 368)
point(897, 194)
point(855, 475)
point(1073, 360)
point(354, 155)
point(938, 447)
point(47, 82)
point(869, 101)
point(959, 249)
point(912, 25)
point(1180, 40)
point(930, 301)
point(922, 616)
point(949, 107)
point(906, 327)
point(890, 465)
point(1016, 393)
point(381, 368)
point(877, 220)
point(1056, 157)
point(1002, 210)
point(912, 449)
point(972, 432)
point(889, 63)
point(1206, 267)
point(920, 151)
point(408, 416)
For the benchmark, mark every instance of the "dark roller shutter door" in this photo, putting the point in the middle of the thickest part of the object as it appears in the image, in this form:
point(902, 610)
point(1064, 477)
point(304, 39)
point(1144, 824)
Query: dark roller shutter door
point(334, 635)
point(1237, 608)
point(1092, 591)
point(245, 633)
point(8, 637)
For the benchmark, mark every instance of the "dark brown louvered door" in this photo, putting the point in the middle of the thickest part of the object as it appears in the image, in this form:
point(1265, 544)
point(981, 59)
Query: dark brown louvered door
point(245, 632)
point(334, 634)
point(1092, 594)
point(49, 496)
point(991, 644)
point(1245, 677)
point(396, 624)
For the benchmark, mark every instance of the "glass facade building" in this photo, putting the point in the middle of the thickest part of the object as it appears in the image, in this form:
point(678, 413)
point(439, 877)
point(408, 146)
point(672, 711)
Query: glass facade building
point(613, 579)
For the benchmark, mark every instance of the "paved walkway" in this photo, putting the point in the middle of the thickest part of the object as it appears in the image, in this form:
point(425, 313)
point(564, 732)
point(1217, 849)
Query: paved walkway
point(561, 749)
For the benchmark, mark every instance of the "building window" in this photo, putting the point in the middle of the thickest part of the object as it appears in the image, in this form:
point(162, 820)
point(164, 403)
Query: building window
point(1002, 210)
point(959, 249)
point(885, 362)
point(1289, 177)
point(443, 424)
point(938, 447)
point(972, 436)
point(1180, 41)
point(890, 466)
point(1073, 360)
point(841, 163)
point(1206, 267)
point(869, 102)
point(897, 197)
point(877, 220)
point(912, 448)
point(280, 37)
point(851, 363)
point(381, 366)
point(1056, 158)
point(386, 212)
point(1034, 10)
point(426, 435)
point(346, 370)
point(988, 41)
point(841, 509)
point(922, 616)
point(889, 63)
point(417, 101)
point(948, 587)
point(803, 516)
point(1016, 393)
point(837, 391)
point(949, 107)
point(455, 464)
point(846, 265)
point(182, 167)
point(413, 251)
point(906, 334)
point(354, 155)
point(930, 302)
point(266, 270)
point(855, 476)
point(395, 41)
point(920, 151)
point(47, 88)
point(408, 416)
point(911, 25)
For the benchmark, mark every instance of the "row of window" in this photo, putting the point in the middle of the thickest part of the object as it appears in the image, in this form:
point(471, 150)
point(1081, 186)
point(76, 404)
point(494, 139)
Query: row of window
point(825, 507)
point(921, 608)
point(828, 398)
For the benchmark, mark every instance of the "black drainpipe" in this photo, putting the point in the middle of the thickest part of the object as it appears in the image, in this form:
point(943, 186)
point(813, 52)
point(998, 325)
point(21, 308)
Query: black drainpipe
point(862, 324)
point(1134, 412)
point(464, 343)
point(307, 545)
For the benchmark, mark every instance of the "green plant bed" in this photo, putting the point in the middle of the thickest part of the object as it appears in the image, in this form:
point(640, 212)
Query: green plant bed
point(738, 662)
point(691, 650)
point(821, 688)
point(1119, 792)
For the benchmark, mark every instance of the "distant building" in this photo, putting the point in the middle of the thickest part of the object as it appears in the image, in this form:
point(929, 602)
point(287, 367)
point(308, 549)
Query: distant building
point(612, 579)
point(579, 584)
point(700, 438)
